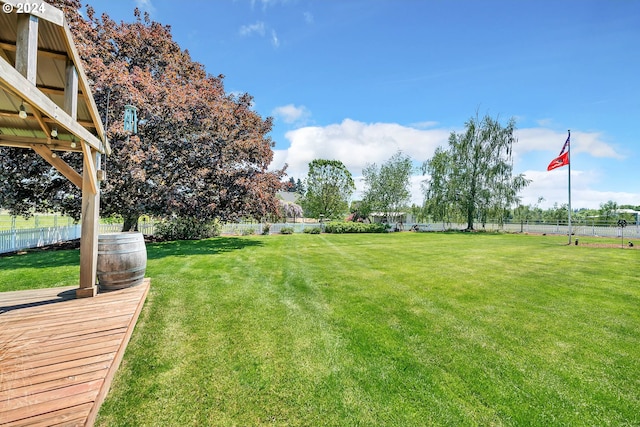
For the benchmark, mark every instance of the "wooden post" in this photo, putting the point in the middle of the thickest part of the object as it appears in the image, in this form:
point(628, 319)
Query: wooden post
point(27, 46)
point(90, 229)
point(71, 91)
point(19, 79)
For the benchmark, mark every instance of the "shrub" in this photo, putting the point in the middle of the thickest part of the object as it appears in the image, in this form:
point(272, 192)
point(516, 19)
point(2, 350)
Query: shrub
point(248, 231)
point(112, 219)
point(187, 228)
point(286, 230)
point(265, 229)
point(312, 230)
point(354, 227)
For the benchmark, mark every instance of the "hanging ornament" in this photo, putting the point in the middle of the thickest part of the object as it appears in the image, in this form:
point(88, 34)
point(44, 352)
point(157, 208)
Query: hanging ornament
point(131, 119)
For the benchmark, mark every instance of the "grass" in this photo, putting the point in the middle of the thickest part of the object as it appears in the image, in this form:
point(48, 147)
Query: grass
point(40, 220)
point(386, 330)
point(35, 221)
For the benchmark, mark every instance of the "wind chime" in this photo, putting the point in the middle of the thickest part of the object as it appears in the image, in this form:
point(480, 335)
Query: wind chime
point(130, 125)
point(131, 119)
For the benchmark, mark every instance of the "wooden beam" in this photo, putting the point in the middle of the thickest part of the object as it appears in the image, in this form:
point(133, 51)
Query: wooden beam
point(12, 114)
point(39, 9)
point(75, 57)
point(10, 78)
point(3, 52)
point(20, 141)
point(43, 125)
point(90, 230)
point(54, 54)
point(82, 123)
point(56, 91)
point(60, 165)
point(83, 84)
point(90, 161)
point(71, 91)
point(27, 47)
point(28, 142)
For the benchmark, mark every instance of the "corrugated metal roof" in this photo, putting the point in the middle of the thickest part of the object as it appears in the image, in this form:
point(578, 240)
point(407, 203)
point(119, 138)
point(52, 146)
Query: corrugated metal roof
point(8, 27)
point(51, 38)
point(50, 78)
point(25, 133)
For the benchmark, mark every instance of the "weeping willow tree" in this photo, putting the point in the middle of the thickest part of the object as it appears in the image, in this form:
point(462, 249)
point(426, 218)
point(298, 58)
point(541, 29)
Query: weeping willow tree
point(473, 177)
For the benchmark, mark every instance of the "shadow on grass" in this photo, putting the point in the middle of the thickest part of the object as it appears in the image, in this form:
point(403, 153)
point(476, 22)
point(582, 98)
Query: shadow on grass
point(58, 258)
point(199, 247)
point(41, 259)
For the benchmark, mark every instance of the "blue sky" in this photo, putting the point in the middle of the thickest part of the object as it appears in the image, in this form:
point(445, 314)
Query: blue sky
point(357, 80)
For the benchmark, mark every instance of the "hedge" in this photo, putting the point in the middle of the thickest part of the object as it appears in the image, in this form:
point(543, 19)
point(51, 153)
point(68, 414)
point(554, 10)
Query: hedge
point(354, 227)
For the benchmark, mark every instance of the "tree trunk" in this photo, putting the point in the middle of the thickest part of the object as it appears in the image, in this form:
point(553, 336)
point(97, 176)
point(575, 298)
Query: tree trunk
point(130, 222)
point(470, 213)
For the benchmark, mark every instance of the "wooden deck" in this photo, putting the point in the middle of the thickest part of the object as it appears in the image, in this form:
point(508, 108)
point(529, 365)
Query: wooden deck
point(58, 354)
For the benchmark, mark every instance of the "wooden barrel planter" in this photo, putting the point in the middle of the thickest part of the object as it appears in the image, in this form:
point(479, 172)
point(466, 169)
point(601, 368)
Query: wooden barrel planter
point(122, 260)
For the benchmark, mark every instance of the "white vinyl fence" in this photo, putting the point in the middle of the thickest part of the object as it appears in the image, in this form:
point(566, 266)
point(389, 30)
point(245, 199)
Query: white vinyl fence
point(257, 228)
point(631, 231)
point(19, 239)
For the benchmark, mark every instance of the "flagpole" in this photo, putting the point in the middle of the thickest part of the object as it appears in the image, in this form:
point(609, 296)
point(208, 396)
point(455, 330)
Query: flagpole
point(569, 157)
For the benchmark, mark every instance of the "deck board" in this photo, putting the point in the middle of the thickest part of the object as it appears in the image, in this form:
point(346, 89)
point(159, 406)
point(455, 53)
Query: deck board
point(58, 354)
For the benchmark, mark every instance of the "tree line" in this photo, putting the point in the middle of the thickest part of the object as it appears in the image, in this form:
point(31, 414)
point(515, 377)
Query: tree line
point(469, 181)
point(472, 177)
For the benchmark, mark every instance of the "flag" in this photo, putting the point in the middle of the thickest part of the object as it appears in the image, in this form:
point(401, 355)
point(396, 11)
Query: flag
point(559, 161)
point(565, 147)
point(563, 157)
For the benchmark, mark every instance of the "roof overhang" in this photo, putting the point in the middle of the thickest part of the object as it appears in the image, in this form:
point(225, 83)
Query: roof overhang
point(41, 72)
point(46, 106)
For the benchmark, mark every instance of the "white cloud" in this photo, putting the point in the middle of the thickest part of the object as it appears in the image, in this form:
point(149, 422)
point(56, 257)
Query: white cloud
point(545, 122)
point(292, 114)
point(415, 186)
point(267, 3)
point(554, 188)
point(145, 5)
point(356, 144)
point(260, 29)
point(553, 185)
point(308, 18)
point(542, 139)
point(593, 144)
point(257, 28)
point(424, 125)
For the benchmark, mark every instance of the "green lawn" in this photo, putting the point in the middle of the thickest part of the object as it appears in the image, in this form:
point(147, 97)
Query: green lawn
point(36, 221)
point(398, 329)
